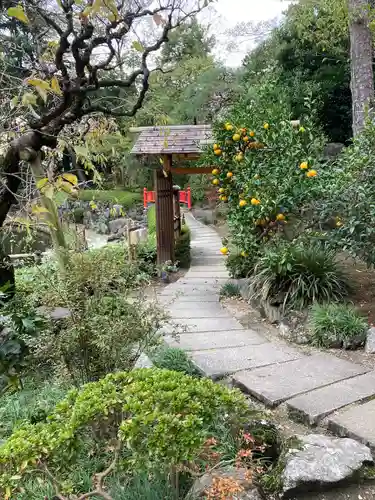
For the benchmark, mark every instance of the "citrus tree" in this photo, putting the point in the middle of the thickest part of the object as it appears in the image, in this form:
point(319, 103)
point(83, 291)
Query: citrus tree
point(266, 171)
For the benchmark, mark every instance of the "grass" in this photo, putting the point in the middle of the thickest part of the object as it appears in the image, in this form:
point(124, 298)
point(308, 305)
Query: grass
point(332, 324)
point(172, 358)
point(32, 403)
point(230, 290)
point(121, 197)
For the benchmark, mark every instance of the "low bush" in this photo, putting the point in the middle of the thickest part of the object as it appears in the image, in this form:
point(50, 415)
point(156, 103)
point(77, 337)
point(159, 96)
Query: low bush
point(78, 215)
point(124, 198)
point(148, 419)
point(182, 249)
point(337, 325)
point(240, 266)
point(296, 275)
point(230, 290)
point(176, 359)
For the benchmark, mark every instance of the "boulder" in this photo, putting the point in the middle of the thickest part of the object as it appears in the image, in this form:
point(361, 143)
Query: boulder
point(240, 475)
point(143, 362)
point(117, 224)
point(56, 313)
point(333, 149)
point(322, 462)
point(370, 341)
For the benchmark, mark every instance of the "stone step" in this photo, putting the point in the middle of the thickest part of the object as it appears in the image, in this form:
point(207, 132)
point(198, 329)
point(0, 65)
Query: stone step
point(218, 363)
point(199, 298)
point(277, 383)
point(191, 325)
point(208, 274)
point(314, 406)
point(214, 340)
point(196, 312)
point(357, 422)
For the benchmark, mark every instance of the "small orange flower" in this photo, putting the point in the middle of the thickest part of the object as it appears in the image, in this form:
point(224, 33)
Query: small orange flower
point(252, 133)
point(304, 165)
point(266, 126)
point(280, 217)
point(311, 173)
point(255, 201)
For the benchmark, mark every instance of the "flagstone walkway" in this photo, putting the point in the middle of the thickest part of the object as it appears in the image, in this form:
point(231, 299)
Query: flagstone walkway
point(317, 389)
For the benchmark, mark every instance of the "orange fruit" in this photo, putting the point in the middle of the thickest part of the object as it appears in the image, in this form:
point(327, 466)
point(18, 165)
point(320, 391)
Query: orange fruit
point(252, 133)
point(255, 201)
point(215, 182)
point(224, 250)
point(217, 152)
point(229, 175)
point(236, 137)
point(215, 171)
point(242, 203)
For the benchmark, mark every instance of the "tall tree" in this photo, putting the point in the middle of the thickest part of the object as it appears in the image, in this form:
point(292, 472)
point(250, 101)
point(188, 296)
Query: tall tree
point(73, 72)
point(361, 62)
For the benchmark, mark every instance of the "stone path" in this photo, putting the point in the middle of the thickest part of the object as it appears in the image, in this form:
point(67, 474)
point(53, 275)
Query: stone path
point(318, 388)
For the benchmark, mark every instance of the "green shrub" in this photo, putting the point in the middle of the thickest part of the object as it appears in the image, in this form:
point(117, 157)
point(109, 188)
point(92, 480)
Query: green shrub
point(336, 325)
point(298, 275)
point(147, 256)
point(240, 266)
point(176, 359)
point(153, 419)
point(151, 220)
point(124, 198)
point(78, 215)
point(182, 248)
point(230, 290)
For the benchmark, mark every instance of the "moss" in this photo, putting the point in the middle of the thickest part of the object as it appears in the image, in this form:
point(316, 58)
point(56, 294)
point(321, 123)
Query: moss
point(124, 198)
point(272, 481)
point(182, 249)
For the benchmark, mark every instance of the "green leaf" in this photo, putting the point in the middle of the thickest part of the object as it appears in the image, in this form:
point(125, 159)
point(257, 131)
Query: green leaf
point(81, 151)
point(18, 13)
point(71, 178)
point(41, 183)
point(14, 102)
point(29, 99)
point(138, 46)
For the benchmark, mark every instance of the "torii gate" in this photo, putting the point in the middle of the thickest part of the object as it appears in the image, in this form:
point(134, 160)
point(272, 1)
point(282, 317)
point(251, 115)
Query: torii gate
point(173, 144)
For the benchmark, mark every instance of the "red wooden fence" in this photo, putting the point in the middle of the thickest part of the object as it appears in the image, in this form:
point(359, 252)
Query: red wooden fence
point(149, 197)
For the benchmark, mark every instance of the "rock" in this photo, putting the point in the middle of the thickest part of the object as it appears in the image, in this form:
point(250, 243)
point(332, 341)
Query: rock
point(143, 362)
point(370, 341)
point(333, 149)
point(240, 475)
point(56, 314)
point(271, 312)
point(115, 225)
point(244, 287)
point(322, 461)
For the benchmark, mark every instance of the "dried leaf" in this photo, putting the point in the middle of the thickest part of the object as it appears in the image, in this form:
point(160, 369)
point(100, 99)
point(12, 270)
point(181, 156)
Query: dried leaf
point(71, 178)
point(55, 86)
point(18, 13)
point(14, 102)
point(37, 209)
point(157, 19)
point(38, 83)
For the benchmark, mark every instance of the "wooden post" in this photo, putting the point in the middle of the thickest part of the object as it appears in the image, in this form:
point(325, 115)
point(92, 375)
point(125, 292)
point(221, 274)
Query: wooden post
point(164, 212)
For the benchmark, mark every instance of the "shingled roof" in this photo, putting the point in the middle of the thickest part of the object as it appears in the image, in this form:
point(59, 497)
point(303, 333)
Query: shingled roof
point(172, 139)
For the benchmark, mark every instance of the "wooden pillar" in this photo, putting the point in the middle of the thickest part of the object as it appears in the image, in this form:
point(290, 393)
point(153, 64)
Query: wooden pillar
point(164, 212)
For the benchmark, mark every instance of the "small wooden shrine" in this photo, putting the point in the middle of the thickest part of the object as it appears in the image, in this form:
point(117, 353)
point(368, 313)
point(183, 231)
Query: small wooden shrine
point(173, 144)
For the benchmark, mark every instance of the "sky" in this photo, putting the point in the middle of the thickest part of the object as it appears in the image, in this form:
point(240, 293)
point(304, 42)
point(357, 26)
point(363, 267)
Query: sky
point(228, 13)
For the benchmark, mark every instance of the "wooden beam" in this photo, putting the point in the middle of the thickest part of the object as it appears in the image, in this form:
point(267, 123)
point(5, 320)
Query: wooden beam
point(191, 171)
point(164, 212)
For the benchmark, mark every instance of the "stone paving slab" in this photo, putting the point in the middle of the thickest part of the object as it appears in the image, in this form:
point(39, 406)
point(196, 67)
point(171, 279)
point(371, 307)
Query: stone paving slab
point(199, 280)
point(221, 362)
point(192, 325)
point(196, 307)
point(193, 291)
point(357, 422)
point(214, 340)
point(277, 383)
point(312, 407)
point(200, 298)
point(196, 312)
point(207, 274)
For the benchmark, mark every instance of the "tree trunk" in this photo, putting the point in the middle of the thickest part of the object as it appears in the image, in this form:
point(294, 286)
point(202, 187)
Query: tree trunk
point(361, 57)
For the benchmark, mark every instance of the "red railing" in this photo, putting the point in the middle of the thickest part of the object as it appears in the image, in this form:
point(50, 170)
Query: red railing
point(185, 197)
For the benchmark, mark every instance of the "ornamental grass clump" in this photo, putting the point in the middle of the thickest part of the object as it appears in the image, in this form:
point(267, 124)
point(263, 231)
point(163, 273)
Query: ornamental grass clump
point(296, 275)
point(337, 325)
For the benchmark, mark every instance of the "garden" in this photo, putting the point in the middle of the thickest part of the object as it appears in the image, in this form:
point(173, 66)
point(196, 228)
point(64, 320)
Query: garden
point(297, 234)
